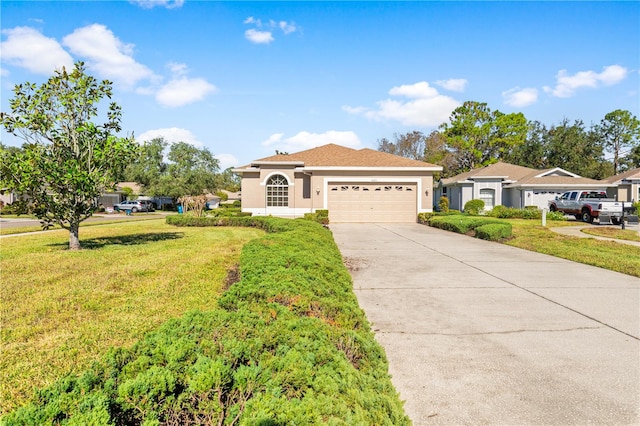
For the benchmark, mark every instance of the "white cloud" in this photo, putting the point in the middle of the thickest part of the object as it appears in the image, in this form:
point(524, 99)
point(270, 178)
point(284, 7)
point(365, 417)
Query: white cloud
point(106, 54)
point(171, 135)
point(287, 27)
point(4, 72)
point(518, 97)
point(177, 69)
point(307, 140)
point(427, 108)
point(227, 160)
point(613, 74)
point(28, 48)
point(417, 90)
point(181, 90)
point(258, 37)
point(453, 84)
point(566, 85)
point(150, 4)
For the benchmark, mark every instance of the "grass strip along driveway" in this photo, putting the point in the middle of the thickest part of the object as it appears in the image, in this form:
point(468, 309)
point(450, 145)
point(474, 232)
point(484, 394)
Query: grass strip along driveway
point(286, 344)
point(530, 235)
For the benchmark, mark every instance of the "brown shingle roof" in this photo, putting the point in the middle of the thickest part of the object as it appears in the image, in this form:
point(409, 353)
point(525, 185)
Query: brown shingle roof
point(629, 174)
point(520, 175)
point(333, 155)
point(506, 170)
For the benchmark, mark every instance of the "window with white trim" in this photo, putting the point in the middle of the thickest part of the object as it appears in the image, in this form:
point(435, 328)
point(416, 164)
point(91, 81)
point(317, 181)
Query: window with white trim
point(488, 196)
point(277, 191)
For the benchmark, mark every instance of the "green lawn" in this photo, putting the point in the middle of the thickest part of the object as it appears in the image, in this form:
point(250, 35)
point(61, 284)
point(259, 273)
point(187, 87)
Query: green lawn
point(91, 222)
point(613, 232)
point(530, 235)
point(62, 310)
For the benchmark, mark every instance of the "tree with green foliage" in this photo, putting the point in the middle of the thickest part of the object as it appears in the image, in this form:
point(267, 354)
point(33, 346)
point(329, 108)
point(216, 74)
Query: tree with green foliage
point(67, 160)
point(410, 145)
point(620, 131)
point(532, 153)
point(478, 136)
point(631, 160)
point(149, 166)
point(577, 150)
point(437, 152)
point(228, 180)
point(190, 171)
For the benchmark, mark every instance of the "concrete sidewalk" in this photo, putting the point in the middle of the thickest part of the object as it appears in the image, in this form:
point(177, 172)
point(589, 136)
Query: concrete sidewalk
point(483, 333)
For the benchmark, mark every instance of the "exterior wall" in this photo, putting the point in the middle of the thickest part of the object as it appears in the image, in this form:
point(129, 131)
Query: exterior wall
point(624, 192)
point(458, 195)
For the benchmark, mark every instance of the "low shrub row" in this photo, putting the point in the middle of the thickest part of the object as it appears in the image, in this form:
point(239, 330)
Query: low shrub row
point(490, 229)
point(287, 344)
point(320, 216)
point(529, 212)
point(227, 212)
point(494, 231)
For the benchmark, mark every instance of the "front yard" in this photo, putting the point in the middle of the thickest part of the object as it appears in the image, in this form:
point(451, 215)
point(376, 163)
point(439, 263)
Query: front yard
point(61, 311)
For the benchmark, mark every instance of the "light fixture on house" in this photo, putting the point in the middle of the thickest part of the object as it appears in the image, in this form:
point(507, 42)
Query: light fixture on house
point(317, 190)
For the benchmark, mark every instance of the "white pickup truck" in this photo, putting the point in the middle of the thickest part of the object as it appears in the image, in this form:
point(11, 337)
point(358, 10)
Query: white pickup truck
point(587, 205)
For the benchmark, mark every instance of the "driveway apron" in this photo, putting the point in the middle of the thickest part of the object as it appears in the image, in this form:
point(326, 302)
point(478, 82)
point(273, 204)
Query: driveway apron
point(482, 333)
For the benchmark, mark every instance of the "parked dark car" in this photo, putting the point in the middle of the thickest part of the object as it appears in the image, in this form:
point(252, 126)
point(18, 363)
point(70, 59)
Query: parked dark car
point(134, 206)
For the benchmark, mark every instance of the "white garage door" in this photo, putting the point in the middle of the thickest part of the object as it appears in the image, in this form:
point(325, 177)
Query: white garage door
point(541, 198)
point(372, 202)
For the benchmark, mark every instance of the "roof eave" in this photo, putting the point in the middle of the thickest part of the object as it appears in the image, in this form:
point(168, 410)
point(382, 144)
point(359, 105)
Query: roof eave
point(278, 163)
point(369, 168)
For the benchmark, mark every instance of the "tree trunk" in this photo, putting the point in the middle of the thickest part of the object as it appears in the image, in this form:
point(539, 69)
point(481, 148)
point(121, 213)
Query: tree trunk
point(74, 240)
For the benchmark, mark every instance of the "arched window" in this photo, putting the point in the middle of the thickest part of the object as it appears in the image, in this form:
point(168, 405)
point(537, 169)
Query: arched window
point(488, 196)
point(277, 191)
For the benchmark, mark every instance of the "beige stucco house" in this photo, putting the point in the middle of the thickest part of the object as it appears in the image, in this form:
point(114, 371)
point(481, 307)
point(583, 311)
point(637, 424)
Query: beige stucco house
point(354, 185)
point(625, 186)
point(512, 186)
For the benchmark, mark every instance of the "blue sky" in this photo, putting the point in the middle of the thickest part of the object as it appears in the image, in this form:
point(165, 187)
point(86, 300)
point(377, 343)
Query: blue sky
point(247, 78)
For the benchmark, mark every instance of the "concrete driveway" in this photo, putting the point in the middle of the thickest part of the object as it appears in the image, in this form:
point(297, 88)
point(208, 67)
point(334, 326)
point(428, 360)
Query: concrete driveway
point(482, 333)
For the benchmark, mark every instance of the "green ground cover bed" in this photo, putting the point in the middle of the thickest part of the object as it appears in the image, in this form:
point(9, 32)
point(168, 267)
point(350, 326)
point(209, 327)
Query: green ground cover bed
point(286, 344)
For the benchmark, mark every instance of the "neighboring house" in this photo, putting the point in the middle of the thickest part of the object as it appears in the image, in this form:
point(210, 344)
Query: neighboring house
point(213, 201)
point(354, 185)
point(511, 186)
point(625, 186)
point(231, 196)
point(111, 198)
point(7, 197)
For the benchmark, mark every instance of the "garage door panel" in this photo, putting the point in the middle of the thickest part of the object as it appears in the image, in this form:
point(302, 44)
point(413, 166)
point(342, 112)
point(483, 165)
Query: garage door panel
point(367, 202)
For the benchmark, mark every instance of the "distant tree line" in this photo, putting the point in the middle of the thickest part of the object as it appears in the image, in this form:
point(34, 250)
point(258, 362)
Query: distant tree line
point(475, 137)
point(178, 169)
